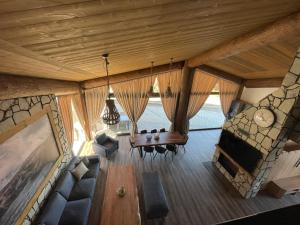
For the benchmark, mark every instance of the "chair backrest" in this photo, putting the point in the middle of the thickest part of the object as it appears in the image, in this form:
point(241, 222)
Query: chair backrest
point(143, 131)
point(162, 130)
point(101, 138)
point(154, 131)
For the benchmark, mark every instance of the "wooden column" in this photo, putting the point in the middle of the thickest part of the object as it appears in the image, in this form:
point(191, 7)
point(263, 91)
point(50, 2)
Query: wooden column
point(183, 103)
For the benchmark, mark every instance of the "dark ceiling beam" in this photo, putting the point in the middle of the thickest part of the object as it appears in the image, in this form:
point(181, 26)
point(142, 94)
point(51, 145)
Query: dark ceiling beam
point(277, 31)
point(220, 74)
point(263, 83)
point(122, 77)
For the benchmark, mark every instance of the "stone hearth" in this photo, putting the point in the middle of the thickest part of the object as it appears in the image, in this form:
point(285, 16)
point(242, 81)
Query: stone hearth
point(270, 141)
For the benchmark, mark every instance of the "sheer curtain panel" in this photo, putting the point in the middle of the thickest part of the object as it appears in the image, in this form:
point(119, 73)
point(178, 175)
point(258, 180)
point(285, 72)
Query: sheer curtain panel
point(174, 80)
point(65, 108)
point(132, 96)
point(95, 102)
point(228, 92)
point(202, 86)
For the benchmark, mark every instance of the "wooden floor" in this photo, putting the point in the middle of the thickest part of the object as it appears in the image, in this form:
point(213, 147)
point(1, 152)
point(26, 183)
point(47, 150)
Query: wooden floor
point(197, 193)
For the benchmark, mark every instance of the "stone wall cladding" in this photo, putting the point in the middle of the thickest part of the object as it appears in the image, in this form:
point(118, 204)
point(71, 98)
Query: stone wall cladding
point(12, 112)
point(285, 104)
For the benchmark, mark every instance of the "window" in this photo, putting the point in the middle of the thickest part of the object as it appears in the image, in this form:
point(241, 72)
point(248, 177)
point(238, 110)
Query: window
point(79, 135)
point(210, 115)
point(154, 116)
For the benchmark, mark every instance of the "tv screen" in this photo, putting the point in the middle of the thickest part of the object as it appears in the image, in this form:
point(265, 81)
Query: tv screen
point(244, 154)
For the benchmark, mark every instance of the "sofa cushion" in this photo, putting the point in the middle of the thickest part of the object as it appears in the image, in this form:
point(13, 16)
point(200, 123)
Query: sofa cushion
point(72, 164)
point(65, 184)
point(76, 212)
point(83, 189)
point(93, 171)
point(101, 138)
point(53, 210)
point(80, 170)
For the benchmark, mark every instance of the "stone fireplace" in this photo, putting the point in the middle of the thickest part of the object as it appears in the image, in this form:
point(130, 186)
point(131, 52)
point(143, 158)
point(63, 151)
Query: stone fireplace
point(268, 142)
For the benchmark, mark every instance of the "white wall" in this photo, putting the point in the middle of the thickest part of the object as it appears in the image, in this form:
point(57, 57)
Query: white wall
point(253, 95)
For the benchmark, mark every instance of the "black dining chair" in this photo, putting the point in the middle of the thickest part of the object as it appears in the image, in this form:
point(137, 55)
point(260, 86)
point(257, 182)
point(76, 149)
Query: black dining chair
point(143, 132)
point(171, 148)
point(183, 144)
point(132, 146)
point(160, 150)
point(148, 149)
point(161, 130)
point(153, 131)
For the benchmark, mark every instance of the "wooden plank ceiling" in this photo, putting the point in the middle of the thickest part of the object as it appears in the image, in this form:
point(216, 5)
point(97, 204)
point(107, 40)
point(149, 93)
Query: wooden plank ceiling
point(69, 36)
point(270, 61)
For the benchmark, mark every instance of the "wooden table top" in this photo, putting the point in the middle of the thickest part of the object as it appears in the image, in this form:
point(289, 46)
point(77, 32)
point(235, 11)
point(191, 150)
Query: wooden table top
point(116, 210)
point(140, 140)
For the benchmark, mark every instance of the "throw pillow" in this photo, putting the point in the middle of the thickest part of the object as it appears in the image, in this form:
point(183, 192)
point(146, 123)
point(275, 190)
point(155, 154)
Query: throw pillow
point(86, 161)
point(80, 170)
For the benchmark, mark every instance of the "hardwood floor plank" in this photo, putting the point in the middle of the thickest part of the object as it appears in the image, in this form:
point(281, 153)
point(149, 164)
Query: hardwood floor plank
point(197, 193)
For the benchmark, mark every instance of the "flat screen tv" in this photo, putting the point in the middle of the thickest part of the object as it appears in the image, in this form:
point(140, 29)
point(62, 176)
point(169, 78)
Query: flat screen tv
point(244, 154)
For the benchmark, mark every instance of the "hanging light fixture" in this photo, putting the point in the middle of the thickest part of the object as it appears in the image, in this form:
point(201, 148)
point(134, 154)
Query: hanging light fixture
point(168, 92)
point(111, 115)
point(150, 93)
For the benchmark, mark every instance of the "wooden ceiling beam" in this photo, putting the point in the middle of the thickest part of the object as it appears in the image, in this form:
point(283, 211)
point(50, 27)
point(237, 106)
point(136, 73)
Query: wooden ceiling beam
point(20, 86)
point(263, 83)
point(220, 74)
point(122, 77)
point(21, 61)
point(276, 31)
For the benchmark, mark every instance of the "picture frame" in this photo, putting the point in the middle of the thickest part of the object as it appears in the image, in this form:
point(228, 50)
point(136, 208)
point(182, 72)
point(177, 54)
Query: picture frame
point(45, 114)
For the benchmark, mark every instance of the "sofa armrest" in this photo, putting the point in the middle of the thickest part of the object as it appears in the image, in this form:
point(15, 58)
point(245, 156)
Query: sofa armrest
point(112, 139)
point(99, 147)
point(94, 158)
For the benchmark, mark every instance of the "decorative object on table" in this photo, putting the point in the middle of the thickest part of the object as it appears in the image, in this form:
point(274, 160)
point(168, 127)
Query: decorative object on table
point(111, 115)
point(156, 136)
point(168, 92)
point(104, 143)
point(150, 93)
point(148, 137)
point(121, 192)
point(23, 176)
point(264, 117)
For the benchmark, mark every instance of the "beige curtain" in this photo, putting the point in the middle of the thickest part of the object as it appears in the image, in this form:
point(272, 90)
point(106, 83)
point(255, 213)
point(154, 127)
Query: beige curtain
point(132, 96)
point(95, 102)
point(65, 107)
point(202, 86)
point(174, 79)
point(78, 106)
point(228, 92)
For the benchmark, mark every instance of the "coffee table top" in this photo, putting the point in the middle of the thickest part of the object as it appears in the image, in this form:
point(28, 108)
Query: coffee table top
point(117, 210)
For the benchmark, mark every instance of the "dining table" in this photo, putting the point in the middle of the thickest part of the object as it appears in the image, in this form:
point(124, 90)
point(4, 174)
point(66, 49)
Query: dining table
point(172, 137)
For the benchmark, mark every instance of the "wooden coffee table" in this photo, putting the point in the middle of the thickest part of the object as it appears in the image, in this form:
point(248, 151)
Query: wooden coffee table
point(117, 210)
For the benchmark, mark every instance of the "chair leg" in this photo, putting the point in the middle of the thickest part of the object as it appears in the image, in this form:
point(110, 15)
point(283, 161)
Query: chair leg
point(155, 155)
point(144, 155)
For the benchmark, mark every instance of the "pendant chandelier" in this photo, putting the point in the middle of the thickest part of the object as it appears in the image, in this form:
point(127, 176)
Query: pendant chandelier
point(111, 115)
point(168, 92)
point(150, 93)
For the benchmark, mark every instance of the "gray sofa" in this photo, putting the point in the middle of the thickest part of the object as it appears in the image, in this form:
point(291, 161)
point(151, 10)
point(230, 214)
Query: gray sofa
point(105, 144)
point(71, 200)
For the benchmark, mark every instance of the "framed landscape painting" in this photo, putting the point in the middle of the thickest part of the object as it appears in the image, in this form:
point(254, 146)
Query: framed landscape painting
point(29, 154)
